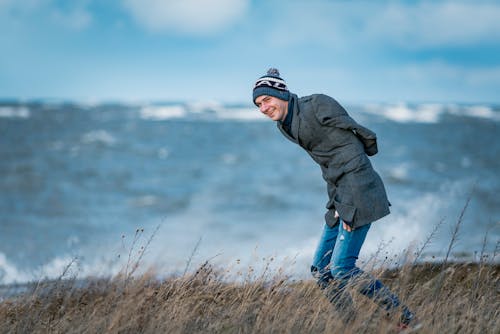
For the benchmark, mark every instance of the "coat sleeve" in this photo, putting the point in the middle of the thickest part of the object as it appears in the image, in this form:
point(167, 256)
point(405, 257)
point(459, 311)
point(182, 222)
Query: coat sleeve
point(330, 113)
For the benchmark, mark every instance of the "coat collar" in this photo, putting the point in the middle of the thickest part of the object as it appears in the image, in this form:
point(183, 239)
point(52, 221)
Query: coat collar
point(295, 120)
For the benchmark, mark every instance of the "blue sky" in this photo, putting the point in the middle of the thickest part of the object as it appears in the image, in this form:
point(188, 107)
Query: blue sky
point(200, 50)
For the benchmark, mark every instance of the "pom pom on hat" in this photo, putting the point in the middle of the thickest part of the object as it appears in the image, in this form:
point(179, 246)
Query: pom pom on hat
point(271, 84)
point(273, 72)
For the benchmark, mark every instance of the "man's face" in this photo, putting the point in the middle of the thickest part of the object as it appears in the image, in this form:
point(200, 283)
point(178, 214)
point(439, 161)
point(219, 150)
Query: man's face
point(274, 108)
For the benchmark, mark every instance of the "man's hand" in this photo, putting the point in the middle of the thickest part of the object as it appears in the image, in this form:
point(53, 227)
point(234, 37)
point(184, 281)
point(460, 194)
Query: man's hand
point(344, 225)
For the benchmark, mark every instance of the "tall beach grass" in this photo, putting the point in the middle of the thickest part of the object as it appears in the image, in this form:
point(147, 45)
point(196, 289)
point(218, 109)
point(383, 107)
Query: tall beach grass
point(448, 297)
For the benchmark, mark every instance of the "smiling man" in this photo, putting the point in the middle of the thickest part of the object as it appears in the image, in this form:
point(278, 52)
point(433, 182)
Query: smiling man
point(357, 197)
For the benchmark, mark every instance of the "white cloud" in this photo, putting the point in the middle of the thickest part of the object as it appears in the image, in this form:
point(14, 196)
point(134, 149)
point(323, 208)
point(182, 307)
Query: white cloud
point(436, 23)
point(197, 17)
point(410, 25)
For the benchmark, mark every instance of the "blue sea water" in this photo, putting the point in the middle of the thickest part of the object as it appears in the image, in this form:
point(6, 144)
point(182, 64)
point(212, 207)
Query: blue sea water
point(222, 185)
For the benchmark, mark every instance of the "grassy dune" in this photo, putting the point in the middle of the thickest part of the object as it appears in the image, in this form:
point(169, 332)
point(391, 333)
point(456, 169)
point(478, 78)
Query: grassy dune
point(452, 298)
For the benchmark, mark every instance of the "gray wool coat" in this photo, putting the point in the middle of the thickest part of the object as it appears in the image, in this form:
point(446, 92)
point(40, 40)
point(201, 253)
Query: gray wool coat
point(322, 127)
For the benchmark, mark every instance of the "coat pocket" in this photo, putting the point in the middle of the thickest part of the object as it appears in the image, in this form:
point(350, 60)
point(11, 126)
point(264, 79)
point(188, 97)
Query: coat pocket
point(346, 211)
point(330, 218)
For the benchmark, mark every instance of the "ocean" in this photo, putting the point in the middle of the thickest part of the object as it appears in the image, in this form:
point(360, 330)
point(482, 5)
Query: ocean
point(92, 187)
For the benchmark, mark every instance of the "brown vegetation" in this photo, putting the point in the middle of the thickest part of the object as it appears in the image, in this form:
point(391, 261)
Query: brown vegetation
point(206, 301)
point(447, 298)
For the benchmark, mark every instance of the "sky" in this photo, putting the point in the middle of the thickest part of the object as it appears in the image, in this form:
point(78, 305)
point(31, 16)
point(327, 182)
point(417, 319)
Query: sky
point(201, 50)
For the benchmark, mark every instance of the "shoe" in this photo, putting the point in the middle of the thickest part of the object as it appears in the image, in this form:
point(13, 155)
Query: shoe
point(408, 323)
point(409, 327)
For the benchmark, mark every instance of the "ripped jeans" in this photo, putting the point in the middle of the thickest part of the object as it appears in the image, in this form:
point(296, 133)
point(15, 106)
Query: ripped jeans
point(334, 266)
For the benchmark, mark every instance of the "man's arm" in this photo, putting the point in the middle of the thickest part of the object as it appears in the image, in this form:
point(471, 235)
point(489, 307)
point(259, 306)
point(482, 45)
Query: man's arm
point(330, 113)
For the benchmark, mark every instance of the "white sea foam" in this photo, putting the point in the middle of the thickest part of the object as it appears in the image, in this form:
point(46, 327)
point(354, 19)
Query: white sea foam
point(243, 114)
point(61, 266)
point(390, 237)
point(398, 112)
point(99, 136)
point(480, 111)
point(203, 106)
point(409, 224)
point(403, 113)
point(159, 113)
point(9, 273)
point(400, 172)
point(428, 113)
point(14, 112)
point(205, 110)
point(75, 266)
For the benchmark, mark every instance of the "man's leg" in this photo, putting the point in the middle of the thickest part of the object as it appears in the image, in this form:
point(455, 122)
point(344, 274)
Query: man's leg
point(343, 269)
point(346, 252)
point(320, 269)
point(321, 261)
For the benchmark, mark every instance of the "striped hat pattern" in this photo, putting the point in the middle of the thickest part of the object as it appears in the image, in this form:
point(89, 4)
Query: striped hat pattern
point(271, 84)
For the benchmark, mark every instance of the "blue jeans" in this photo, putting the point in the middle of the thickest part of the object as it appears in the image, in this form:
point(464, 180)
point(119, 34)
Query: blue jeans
point(335, 262)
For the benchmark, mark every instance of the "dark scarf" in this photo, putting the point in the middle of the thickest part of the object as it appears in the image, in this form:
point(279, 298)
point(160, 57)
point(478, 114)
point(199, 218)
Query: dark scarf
point(287, 122)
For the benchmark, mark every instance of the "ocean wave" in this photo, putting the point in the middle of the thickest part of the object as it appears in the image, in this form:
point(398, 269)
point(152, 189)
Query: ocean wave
point(197, 111)
point(399, 172)
point(222, 112)
point(428, 113)
point(9, 273)
point(63, 265)
point(14, 112)
point(397, 112)
point(160, 113)
point(242, 114)
point(403, 113)
point(479, 111)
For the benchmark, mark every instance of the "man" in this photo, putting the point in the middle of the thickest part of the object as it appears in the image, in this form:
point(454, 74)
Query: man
point(357, 197)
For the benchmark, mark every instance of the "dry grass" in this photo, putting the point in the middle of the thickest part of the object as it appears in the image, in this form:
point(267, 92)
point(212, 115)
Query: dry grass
point(447, 298)
point(205, 301)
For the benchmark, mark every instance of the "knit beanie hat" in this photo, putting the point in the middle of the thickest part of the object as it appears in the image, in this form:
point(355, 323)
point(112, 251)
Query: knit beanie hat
point(271, 84)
